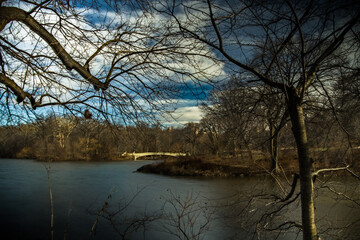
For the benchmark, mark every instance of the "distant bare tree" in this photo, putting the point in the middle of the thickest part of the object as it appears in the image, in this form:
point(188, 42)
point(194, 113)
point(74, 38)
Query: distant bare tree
point(234, 107)
point(210, 126)
point(242, 112)
point(191, 134)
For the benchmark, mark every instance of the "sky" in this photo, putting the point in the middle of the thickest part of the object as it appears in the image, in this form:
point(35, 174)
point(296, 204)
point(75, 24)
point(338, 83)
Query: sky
point(188, 105)
point(187, 102)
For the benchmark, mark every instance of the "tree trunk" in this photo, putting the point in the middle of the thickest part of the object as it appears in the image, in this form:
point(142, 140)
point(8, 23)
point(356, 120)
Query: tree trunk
point(248, 148)
point(274, 149)
point(305, 168)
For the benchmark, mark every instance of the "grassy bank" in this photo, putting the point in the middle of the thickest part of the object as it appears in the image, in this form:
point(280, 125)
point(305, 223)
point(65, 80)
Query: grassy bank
point(242, 165)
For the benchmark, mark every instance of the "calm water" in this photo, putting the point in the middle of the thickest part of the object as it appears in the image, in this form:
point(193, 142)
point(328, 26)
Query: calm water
point(222, 205)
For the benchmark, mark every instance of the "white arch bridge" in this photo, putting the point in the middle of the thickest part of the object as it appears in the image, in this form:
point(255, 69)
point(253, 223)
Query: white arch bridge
point(137, 155)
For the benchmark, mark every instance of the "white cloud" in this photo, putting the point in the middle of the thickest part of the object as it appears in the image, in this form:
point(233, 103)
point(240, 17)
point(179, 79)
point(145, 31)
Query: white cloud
point(184, 115)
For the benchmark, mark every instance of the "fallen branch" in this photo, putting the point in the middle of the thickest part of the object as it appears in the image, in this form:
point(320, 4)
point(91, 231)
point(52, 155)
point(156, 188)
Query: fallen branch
point(330, 170)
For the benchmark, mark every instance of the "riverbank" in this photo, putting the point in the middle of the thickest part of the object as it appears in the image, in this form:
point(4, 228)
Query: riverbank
point(197, 166)
point(211, 166)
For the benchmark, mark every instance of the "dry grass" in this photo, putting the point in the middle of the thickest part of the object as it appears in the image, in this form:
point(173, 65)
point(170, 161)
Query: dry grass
point(242, 165)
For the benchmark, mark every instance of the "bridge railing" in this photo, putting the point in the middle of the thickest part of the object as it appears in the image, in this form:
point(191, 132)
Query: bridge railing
point(136, 155)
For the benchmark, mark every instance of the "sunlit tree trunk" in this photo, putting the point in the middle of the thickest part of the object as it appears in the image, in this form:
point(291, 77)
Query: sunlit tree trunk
point(305, 168)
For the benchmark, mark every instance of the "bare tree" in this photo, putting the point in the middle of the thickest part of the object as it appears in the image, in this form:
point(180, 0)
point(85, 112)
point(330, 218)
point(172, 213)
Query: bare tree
point(185, 217)
point(210, 125)
point(274, 113)
point(234, 107)
point(48, 172)
point(191, 134)
point(123, 223)
point(291, 46)
point(113, 58)
point(245, 111)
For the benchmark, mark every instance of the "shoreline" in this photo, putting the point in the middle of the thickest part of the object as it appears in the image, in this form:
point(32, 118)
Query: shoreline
point(201, 166)
point(197, 167)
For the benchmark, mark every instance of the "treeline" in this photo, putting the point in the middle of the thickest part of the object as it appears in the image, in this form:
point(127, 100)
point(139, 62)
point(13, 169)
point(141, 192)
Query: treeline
point(72, 138)
point(223, 133)
point(243, 123)
point(256, 119)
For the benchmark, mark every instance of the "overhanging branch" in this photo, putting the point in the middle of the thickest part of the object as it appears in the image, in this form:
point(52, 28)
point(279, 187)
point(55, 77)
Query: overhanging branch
point(8, 14)
point(18, 91)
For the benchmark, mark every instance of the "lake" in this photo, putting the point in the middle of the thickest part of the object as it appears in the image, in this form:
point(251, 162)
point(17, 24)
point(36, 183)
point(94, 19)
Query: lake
point(119, 203)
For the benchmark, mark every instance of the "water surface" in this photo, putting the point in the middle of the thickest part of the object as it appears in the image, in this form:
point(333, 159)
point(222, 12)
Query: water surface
point(81, 189)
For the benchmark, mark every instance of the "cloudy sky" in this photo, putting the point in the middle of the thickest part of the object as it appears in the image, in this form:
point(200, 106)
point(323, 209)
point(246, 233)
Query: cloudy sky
point(187, 100)
point(188, 105)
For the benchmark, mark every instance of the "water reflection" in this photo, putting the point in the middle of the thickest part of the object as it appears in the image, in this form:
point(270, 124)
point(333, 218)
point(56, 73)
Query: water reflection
point(234, 205)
